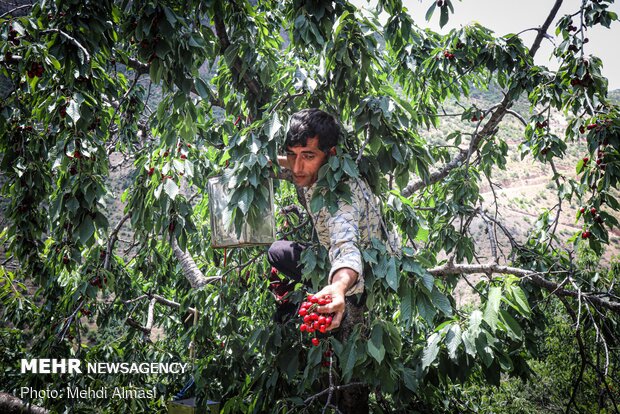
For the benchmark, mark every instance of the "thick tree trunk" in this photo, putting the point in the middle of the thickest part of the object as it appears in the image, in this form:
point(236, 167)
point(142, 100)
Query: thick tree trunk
point(13, 405)
point(354, 399)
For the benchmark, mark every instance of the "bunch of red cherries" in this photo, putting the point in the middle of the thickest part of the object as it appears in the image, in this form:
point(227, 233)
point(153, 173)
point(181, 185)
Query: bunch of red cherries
point(312, 320)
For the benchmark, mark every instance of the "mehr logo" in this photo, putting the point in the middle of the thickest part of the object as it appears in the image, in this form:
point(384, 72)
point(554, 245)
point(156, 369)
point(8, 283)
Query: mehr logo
point(51, 366)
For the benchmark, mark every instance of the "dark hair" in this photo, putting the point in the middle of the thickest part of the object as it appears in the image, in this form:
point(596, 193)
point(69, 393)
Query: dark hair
point(309, 123)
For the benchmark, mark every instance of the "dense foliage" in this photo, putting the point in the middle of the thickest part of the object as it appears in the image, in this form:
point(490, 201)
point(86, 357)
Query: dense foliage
point(188, 90)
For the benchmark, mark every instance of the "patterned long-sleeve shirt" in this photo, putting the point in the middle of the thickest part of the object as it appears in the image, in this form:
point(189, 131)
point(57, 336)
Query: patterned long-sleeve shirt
point(343, 233)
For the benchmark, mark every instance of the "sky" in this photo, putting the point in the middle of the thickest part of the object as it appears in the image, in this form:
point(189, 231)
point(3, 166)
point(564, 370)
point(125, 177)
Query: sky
point(509, 16)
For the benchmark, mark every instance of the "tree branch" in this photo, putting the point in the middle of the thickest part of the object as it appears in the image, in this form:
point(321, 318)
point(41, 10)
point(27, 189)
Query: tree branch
point(542, 31)
point(134, 324)
point(10, 12)
point(138, 66)
point(72, 40)
point(112, 241)
point(190, 270)
point(498, 114)
point(150, 316)
point(463, 155)
point(237, 66)
point(10, 404)
point(333, 388)
point(595, 298)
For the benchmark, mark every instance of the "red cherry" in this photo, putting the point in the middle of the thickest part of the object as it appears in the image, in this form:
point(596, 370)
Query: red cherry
point(328, 320)
point(315, 341)
point(322, 328)
point(311, 329)
point(326, 364)
point(303, 312)
point(316, 325)
point(322, 302)
point(303, 328)
point(307, 318)
point(582, 210)
point(183, 156)
point(166, 153)
point(151, 170)
point(314, 316)
point(591, 126)
point(593, 211)
point(322, 320)
point(312, 299)
point(585, 235)
point(585, 160)
point(582, 129)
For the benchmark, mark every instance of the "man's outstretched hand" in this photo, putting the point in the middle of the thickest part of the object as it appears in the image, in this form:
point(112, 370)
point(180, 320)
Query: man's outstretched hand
point(336, 306)
point(342, 280)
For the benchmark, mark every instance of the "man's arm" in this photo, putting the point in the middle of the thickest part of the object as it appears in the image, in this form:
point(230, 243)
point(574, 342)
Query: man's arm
point(346, 273)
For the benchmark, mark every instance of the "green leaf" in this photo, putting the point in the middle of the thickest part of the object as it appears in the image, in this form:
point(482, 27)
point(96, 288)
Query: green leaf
point(171, 188)
point(453, 340)
point(492, 307)
point(443, 19)
point(579, 166)
point(441, 301)
point(428, 281)
point(431, 350)
point(410, 379)
point(472, 332)
point(202, 89)
point(376, 349)
point(309, 258)
point(73, 110)
point(430, 11)
point(391, 274)
point(170, 16)
point(406, 306)
point(350, 168)
point(274, 125)
point(512, 326)
point(245, 200)
point(351, 357)
point(521, 300)
point(316, 203)
point(72, 205)
point(484, 350)
point(86, 229)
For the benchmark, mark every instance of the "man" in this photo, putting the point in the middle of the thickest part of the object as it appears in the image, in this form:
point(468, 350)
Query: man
point(311, 139)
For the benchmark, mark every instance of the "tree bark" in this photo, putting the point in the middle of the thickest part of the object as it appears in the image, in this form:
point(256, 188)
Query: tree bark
point(10, 404)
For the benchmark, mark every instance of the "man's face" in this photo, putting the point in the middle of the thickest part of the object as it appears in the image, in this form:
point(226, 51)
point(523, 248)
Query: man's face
point(305, 162)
